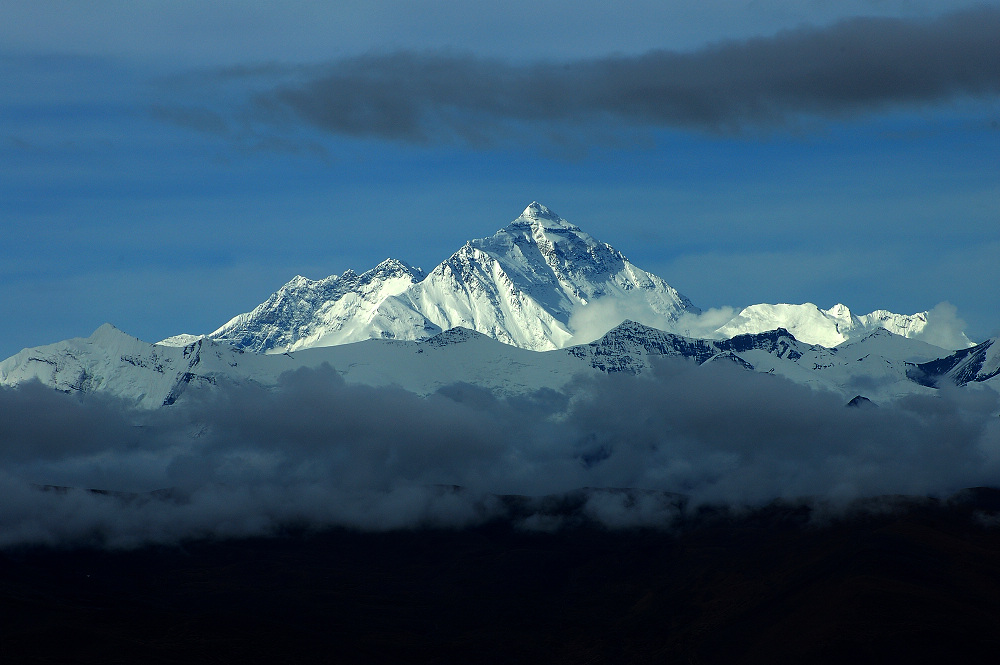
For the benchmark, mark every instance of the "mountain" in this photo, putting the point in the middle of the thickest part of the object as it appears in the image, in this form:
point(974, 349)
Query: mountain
point(880, 361)
point(335, 310)
point(504, 313)
point(828, 327)
point(978, 364)
point(539, 283)
point(521, 286)
point(151, 375)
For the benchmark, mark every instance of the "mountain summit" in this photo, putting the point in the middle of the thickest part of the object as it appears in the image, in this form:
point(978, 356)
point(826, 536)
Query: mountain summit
point(522, 286)
point(539, 283)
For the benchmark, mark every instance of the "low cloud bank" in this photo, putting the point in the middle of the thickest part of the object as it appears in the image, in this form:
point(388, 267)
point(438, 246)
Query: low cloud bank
point(315, 452)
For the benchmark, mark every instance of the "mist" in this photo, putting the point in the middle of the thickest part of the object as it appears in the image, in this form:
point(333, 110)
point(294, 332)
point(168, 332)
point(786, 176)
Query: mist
point(316, 452)
point(593, 320)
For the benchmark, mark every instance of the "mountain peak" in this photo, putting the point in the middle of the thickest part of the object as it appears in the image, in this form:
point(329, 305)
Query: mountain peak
point(522, 286)
point(536, 210)
point(107, 332)
point(840, 311)
point(537, 215)
point(394, 268)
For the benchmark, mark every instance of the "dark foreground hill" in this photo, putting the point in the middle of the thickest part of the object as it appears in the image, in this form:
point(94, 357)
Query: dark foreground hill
point(905, 580)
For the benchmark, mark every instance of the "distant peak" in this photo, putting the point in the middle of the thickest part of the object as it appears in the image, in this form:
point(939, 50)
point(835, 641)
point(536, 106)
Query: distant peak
point(396, 265)
point(862, 402)
point(839, 310)
point(104, 329)
point(393, 268)
point(537, 211)
point(107, 332)
point(630, 327)
point(456, 335)
point(536, 216)
point(296, 282)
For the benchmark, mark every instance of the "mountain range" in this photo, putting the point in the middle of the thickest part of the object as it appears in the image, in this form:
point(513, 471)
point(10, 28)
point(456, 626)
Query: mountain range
point(539, 283)
point(521, 286)
point(505, 313)
point(524, 453)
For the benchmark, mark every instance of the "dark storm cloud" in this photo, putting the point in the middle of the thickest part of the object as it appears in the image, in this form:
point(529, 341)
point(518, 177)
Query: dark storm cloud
point(856, 66)
point(315, 451)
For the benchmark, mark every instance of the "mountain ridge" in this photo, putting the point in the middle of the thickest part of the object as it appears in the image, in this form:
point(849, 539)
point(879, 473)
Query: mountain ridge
point(539, 283)
point(503, 312)
point(521, 286)
point(150, 375)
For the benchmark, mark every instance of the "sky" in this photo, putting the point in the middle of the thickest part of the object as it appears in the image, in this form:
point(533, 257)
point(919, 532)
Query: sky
point(165, 166)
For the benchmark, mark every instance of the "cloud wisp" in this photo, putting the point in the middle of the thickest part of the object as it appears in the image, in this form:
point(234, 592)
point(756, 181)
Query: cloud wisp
point(857, 66)
point(316, 452)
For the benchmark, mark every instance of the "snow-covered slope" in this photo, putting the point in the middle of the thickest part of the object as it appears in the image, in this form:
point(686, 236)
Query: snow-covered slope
point(520, 286)
point(335, 310)
point(539, 283)
point(523, 284)
point(876, 365)
point(978, 364)
point(111, 362)
point(827, 327)
point(151, 375)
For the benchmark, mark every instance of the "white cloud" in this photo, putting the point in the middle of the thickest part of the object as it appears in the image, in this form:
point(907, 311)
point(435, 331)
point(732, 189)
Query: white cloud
point(593, 320)
point(944, 328)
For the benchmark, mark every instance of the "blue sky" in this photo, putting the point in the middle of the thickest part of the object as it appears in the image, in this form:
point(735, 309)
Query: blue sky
point(167, 165)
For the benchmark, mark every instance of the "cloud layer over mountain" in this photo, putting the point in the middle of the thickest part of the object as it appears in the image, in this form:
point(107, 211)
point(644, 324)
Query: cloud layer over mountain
point(317, 452)
point(857, 66)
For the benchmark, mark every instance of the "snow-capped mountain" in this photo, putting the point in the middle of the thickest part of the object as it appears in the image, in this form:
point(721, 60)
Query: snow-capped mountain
point(878, 363)
point(335, 310)
point(978, 364)
point(502, 313)
point(539, 283)
point(152, 375)
point(520, 286)
point(149, 375)
point(827, 327)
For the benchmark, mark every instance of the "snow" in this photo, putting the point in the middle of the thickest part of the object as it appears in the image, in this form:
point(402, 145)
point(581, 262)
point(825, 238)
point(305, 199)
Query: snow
point(520, 286)
point(507, 313)
point(150, 376)
point(180, 340)
point(829, 327)
point(539, 283)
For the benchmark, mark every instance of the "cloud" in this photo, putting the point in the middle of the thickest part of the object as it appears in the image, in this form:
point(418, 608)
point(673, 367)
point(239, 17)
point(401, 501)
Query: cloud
point(944, 328)
point(855, 66)
point(591, 321)
point(315, 452)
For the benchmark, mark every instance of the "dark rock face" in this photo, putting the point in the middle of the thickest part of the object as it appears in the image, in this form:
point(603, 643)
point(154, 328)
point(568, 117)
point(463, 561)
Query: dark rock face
point(624, 348)
point(861, 402)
